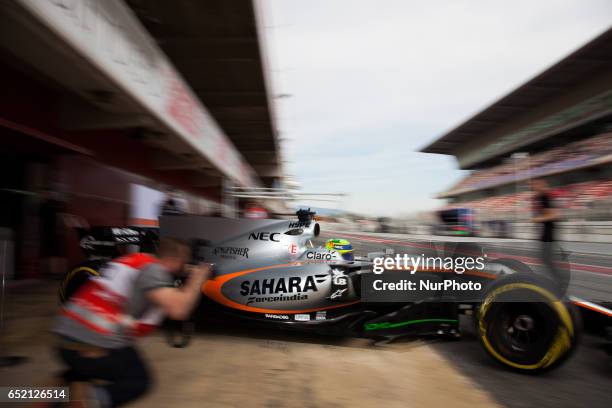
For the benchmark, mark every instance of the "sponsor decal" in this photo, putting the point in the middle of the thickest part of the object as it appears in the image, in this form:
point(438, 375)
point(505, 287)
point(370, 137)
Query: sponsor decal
point(322, 315)
point(390, 325)
point(337, 294)
point(88, 242)
point(127, 240)
point(301, 317)
point(265, 236)
point(278, 286)
point(124, 231)
point(277, 316)
point(323, 256)
point(293, 249)
point(268, 299)
point(280, 289)
point(339, 285)
point(339, 278)
point(225, 290)
point(298, 224)
point(231, 252)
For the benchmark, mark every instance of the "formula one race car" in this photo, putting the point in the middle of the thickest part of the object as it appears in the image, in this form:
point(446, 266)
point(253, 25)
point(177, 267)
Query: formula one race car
point(269, 273)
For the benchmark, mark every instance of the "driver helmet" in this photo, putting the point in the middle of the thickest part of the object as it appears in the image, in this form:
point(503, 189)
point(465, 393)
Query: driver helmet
point(342, 246)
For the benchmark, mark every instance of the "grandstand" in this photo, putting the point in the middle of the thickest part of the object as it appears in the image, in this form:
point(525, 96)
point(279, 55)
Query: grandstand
point(557, 126)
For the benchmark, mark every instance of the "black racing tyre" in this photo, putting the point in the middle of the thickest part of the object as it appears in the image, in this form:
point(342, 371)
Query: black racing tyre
point(76, 277)
point(523, 324)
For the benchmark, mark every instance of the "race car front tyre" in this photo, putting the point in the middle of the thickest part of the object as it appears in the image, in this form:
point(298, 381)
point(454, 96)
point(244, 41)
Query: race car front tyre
point(76, 277)
point(524, 325)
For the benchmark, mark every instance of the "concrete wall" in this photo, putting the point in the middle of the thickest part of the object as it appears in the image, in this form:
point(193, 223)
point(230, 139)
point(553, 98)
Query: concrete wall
point(572, 231)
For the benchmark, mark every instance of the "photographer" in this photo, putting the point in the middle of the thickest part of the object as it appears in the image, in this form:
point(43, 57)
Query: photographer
point(99, 324)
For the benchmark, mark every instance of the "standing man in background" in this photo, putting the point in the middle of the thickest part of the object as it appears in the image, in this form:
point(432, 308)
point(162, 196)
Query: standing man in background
point(172, 205)
point(546, 215)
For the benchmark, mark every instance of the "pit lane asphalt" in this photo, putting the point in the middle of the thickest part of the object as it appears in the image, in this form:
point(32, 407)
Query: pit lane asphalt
point(583, 381)
point(239, 367)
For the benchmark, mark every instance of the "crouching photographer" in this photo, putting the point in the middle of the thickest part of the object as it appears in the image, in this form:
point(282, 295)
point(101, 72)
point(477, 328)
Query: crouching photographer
point(98, 326)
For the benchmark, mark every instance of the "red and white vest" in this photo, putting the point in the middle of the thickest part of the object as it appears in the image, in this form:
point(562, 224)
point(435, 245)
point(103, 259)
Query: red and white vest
point(101, 303)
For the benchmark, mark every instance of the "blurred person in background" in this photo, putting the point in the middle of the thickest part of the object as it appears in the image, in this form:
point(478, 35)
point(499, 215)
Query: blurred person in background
point(99, 324)
point(172, 206)
point(51, 210)
point(546, 215)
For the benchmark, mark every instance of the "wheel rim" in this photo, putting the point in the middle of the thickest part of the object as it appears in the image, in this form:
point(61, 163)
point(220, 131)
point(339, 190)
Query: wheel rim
point(538, 312)
point(522, 332)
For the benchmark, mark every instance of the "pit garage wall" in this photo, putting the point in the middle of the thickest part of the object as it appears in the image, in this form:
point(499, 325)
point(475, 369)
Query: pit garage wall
point(124, 149)
point(51, 170)
point(82, 191)
point(102, 195)
point(87, 193)
point(99, 193)
point(567, 231)
point(115, 55)
point(146, 204)
point(86, 188)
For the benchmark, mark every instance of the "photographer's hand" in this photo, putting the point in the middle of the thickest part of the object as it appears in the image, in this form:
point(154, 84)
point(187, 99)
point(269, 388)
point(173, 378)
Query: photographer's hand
point(198, 274)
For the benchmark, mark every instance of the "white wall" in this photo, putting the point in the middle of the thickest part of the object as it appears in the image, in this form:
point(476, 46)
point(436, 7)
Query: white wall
point(145, 204)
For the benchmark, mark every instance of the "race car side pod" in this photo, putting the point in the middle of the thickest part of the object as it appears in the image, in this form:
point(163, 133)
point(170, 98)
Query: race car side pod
point(596, 317)
point(591, 306)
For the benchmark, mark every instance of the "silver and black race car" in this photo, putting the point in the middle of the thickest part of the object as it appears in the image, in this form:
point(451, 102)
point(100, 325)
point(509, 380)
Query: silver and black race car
point(270, 273)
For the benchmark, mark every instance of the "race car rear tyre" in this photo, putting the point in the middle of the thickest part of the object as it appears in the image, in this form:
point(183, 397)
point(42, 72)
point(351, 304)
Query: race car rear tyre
point(76, 277)
point(523, 324)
